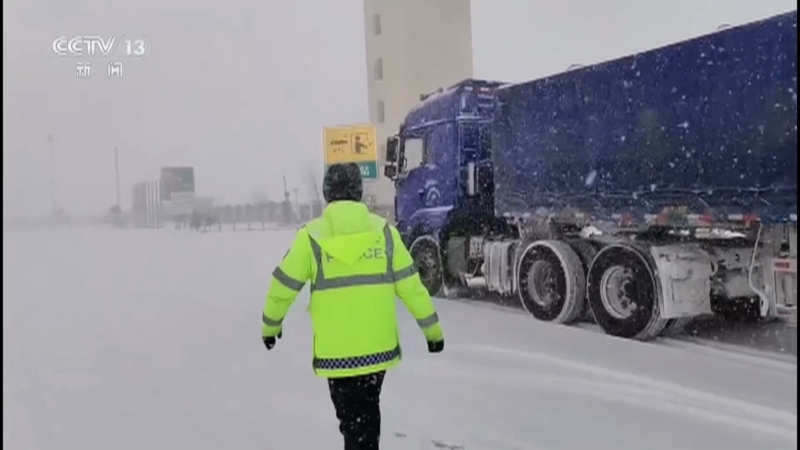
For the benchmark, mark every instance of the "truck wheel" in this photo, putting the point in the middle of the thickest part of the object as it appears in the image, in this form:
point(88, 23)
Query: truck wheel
point(551, 282)
point(586, 251)
point(623, 293)
point(426, 255)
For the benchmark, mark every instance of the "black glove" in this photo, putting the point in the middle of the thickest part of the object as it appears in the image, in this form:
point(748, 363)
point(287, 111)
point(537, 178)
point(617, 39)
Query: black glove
point(269, 341)
point(435, 347)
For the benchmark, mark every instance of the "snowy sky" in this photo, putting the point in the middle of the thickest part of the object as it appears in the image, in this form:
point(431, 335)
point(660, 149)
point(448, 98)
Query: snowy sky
point(241, 89)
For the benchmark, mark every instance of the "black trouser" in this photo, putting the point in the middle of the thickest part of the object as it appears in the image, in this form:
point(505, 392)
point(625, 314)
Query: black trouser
point(358, 407)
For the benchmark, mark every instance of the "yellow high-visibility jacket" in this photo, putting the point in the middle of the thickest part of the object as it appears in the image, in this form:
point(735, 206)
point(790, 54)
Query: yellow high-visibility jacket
point(357, 265)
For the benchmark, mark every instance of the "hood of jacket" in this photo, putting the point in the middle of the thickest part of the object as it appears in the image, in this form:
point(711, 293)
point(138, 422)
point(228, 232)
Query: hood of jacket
point(348, 230)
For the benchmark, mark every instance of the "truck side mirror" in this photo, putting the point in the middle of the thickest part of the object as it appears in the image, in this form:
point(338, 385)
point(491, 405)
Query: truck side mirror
point(391, 150)
point(390, 169)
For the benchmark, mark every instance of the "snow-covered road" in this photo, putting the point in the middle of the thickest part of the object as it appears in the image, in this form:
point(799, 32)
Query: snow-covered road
point(150, 340)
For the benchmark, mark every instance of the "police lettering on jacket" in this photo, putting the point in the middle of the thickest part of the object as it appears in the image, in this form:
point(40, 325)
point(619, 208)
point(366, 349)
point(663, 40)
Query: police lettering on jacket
point(370, 253)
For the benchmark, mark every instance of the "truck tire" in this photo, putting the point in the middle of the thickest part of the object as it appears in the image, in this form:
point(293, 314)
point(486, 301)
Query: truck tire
point(623, 293)
point(428, 259)
point(586, 251)
point(550, 281)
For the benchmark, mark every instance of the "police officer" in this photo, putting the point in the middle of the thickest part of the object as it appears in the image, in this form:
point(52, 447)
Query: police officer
point(357, 265)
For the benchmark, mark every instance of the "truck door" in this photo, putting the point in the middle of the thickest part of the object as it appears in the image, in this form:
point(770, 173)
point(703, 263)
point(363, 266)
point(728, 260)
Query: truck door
point(426, 188)
point(411, 179)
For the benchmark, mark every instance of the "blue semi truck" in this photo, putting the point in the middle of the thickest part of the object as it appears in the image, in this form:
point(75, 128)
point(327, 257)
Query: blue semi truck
point(640, 192)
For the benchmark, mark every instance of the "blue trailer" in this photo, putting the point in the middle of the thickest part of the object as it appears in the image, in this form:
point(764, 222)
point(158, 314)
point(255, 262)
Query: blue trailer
point(642, 191)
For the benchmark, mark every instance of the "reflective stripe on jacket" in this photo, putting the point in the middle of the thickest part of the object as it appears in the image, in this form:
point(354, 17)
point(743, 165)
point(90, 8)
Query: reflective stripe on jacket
point(357, 264)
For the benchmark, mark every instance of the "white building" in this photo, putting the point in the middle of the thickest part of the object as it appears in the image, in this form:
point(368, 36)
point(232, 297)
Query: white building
point(413, 48)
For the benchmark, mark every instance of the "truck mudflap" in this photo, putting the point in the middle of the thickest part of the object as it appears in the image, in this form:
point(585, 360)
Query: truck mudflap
point(780, 287)
point(684, 273)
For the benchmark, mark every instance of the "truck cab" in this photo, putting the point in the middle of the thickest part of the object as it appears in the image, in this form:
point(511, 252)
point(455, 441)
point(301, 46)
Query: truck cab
point(440, 160)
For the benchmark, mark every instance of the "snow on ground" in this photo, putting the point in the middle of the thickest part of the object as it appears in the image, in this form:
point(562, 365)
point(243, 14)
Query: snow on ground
point(120, 340)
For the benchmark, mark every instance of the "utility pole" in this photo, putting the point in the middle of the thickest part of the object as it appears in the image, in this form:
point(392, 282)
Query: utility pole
point(286, 204)
point(116, 169)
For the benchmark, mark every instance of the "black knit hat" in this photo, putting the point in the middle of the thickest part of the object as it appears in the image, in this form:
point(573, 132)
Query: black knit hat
point(343, 182)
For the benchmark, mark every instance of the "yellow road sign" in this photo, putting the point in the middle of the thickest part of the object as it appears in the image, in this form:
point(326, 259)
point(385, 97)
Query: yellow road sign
point(350, 143)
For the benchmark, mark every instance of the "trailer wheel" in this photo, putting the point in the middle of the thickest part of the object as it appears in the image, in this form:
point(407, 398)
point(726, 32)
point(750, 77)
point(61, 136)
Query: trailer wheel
point(586, 251)
point(551, 282)
point(428, 259)
point(623, 293)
